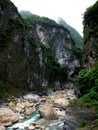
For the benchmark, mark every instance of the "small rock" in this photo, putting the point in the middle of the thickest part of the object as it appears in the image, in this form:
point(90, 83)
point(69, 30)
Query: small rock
point(18, 109)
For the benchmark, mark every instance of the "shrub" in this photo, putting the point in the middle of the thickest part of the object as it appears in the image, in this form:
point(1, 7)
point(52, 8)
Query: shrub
point(88, 82)
point(85, 80)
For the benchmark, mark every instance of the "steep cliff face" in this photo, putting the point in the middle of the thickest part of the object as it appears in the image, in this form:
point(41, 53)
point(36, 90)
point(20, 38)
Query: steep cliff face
point(90, 54)
point(59, 41)
point(19, 61)
point(77, 38)
point(33, 55)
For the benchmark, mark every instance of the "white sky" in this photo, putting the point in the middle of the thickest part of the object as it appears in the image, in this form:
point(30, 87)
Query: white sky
point(70, 10)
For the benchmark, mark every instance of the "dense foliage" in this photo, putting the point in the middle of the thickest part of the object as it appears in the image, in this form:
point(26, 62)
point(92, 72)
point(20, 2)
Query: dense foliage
point(91, 22)
point(88, 82)
point(33, 19)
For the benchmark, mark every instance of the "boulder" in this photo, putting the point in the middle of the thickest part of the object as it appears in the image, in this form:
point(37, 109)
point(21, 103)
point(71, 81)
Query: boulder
point(29, 111)
point(60, 113)
point(20, 104)
point(7, 116)
point(2, 127)
point(18, 109)
point(47, 112)
point(61, 102)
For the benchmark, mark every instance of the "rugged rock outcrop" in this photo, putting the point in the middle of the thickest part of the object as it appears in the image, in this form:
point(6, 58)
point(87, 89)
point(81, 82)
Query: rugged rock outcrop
point(7, 117)
point(59, 42)
point(77, 38)
point(47, 112)
point(19, 62)
point(90, 53)
point(33, 56)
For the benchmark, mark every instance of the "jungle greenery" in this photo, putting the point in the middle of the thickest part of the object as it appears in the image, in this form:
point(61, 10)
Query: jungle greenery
point(34, 19)
point(88, 82)
point(90, 22)
point(88, 78)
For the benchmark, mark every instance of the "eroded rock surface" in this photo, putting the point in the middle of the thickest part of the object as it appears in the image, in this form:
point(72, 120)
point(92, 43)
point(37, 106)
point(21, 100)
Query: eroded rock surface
point(47, 112)
point(7, 116)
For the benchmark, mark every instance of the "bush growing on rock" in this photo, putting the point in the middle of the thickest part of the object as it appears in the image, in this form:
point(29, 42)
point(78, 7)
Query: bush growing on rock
point(88, 82)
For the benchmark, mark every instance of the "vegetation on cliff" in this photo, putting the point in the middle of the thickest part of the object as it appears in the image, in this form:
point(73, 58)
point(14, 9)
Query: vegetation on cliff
point(88, 78)
point(90, 49)
point(35, 19)
point(88, 82)
point(21, 50)
point(77, 38)
point(53, 70)
point(91, 22)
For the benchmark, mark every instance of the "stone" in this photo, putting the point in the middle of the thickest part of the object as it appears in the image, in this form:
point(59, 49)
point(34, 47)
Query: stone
point(2, 127)
point(21, 105)
point(18, 109)
point(26, 104)
point(7, 116)
point(31, 128)
point(61, 102)
point(11, 104)
point(47, 112)
point(43, 127)
point(29, 111)
point(60, 113)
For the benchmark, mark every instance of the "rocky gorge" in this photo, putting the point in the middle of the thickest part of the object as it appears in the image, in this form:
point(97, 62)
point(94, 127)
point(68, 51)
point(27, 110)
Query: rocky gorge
point(58, 111)
point(34, 54)
point(51, 109)
point(39, 64)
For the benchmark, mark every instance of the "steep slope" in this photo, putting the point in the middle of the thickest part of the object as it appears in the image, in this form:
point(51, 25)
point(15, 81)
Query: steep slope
point(18, 48)
point(88, 77)
point(35, 53)
point(58, 39)
point(74, 34)
point(90, 54)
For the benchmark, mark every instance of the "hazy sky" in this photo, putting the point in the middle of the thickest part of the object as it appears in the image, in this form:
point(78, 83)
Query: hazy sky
point(70, 10)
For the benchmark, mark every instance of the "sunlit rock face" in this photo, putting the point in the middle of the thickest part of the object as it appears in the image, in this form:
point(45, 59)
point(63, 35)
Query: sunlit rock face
point(62, 46)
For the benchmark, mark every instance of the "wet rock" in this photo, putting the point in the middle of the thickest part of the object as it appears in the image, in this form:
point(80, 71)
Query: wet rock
point(29, 111)
point(70, 125)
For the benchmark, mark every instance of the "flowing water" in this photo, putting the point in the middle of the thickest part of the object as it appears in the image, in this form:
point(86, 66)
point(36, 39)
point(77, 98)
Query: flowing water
point(35, 117)
point(57, 125)
point(20, 126)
